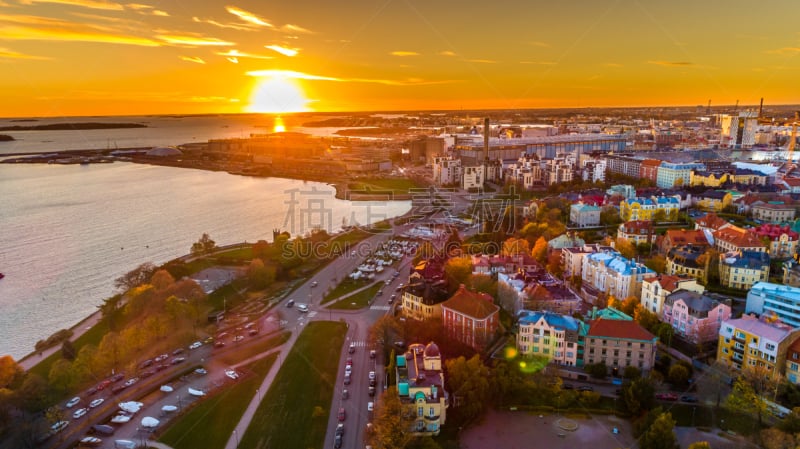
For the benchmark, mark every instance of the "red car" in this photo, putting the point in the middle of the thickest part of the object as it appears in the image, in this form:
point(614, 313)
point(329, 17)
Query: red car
point(341, 414)
point(667, 396)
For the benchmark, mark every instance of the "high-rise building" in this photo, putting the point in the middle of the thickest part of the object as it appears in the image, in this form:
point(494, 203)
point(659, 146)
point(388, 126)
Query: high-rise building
point(739, 131)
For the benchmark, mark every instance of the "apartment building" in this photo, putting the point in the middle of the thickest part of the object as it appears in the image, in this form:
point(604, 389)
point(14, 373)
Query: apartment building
point(640, 208)
point(421, 388)
point(584, 215)
point(782, 240)
point(734, 238)
point(742, 269)
point(687, 260)
point(773, 213)
point(555, 336)
point(655, 290)
point(613, 275)
point(446, 171)
point(471, 318)
point(619, 344)
point(676, 175)
point(755, 343)
point(637, 232)
point(782, 301)
point(694, 316)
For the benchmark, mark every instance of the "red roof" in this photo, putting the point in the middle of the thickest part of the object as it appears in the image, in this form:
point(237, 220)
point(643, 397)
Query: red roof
point(618, 329)
point(792, 182)
point(774, 231)
point(472, 304)
point(712, 221)
point(686, 237)
point(640, 227)
point(738, 237)
point(667, 282)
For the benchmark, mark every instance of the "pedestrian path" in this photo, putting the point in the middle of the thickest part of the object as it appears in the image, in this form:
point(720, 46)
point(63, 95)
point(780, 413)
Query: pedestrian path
point(359, 344)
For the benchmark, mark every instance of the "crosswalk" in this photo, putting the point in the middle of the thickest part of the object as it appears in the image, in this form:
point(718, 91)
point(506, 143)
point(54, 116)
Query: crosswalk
point(359, 344)
point(377, 307)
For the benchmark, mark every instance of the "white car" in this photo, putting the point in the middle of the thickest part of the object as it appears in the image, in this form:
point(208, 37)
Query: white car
point(302, 307)
point(73, 402)
point(91, 441)
point(232, 374)
point(161, 358)
point(201, 371)
point(120, 419)
point(131, 381)
point(79, 413)
point(372, 375)
point(59, 426)
point(96, 402)
point(195, 345)
point(370, 406)
point(348, 369)
point(238, 338)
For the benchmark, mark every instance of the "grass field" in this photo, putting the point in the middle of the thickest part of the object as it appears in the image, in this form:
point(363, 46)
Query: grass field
point(211, 423)
point(295, 410)
point(244, 253)
point(398, 185)
point(232, 357)
point(344, 288)
point(359, 300)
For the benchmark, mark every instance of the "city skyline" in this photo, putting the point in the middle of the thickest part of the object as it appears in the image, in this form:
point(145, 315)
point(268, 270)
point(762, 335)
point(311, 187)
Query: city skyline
point(100, 57)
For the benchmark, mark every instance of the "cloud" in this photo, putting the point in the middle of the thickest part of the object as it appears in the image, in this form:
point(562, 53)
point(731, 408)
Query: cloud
point(146, 10)
point(482, 61)
point(233, 60)
point(140, 96)
point(237, 54)
point(223, 25)
point(248, 17)
point(785, 50)
point(283, 50)
point(538, 62)
point(404, 53)
point(194, 41)
point(93, 4)
point(17, 27)
point(290, 28)
point(290, 74)
point(446, 53)
point(672, 63)
point(192, 59)
point(612, 64)
point(539, 44)
point(10, 54)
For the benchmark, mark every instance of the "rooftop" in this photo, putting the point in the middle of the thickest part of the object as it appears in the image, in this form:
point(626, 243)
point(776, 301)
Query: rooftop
point(738, 237)
point(699, 305)
point(618, 329)
point(775, 331)
point(554, 320)
point(475, 305)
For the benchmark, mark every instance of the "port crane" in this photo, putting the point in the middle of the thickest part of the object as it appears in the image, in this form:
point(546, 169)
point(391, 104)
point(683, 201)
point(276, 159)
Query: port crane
point(792, 142)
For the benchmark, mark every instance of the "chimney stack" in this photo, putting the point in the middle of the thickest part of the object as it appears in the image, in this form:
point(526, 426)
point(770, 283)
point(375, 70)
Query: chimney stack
point(486, 139)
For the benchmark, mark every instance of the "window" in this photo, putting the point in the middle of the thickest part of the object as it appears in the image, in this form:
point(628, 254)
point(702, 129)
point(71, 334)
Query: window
point(430, 412)
point(770, 346)
point(420, 411)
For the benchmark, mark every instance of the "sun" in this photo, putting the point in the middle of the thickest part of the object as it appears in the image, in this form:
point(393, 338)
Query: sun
point(278, 94)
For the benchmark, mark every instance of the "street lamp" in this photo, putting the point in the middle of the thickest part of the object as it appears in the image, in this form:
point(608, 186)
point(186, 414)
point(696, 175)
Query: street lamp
point(236, 435)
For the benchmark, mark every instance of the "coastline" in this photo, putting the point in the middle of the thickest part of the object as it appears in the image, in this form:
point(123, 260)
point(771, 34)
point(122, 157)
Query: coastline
point(32, 359)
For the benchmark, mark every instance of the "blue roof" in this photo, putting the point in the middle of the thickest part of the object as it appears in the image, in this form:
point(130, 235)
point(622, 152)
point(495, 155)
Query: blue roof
point(640, 200)
point(620, 264)
point(555, 320)
point(748, 259)
point(585, 207)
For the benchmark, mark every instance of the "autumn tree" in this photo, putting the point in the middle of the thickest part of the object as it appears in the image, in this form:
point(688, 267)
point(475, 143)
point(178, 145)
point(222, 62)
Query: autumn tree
point(135, 277)
point(554, 265)
point(10, 371)
point(515, 247)
point(645, 318)
point(628, 306)
point(678, 375)
point(162, 280)
point(383, 330)
point(656, 263)
point(507, 297)
point(468, 381)
point(457, 271)
point(625, 248)
point(260, 275)
point(392, 425)
point(745, 397)
point(484, 284)
point(539, 251)
point(203, 246)
point(61, 375)
point(774, 438)
point(638, 396)
point(659, 216)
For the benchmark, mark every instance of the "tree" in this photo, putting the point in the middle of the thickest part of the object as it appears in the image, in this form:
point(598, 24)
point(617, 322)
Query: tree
point(68, 350)
point(656, 263)
point(515, 247)
point(745, 398)
point(203, 246)
point(162, 280)
point(626, 248)
point(597, 370)
point(260, 275)
point(700, 445)
point(554, 265)
point(645, 318)
point(135, 277)
point(469, 384)
point(659, 216)
point(457, 271)
point(661, 434)
point(631, 373)
point(61, 375)
point(773, 438)
point(628, 306)
point(638, 396)
point(10, 371)
point(32, 395)
point(383, 330)
point(484, 284)
point(665, 332)
point(391, 428)
point(507, 297)
point(678, 375)
point(539, 251)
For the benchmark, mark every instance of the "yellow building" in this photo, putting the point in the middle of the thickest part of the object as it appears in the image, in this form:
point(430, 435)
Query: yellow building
point(641, 208)
point(714, 200)
point(749, 342)
point(422, 300)
point(708, 179)
point(420, 386)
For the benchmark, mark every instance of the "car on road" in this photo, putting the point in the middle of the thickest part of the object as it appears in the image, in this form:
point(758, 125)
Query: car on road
point(96, 402)
point(667, 396)
point(117, 389)
point(146, 363)
point(252, 332)
point(349, 361)
point(102, 429)
point(238, 338)
point(302, 307)
point(79, 413)
point(687, 398)
point(290, 303)
point(232, 374)
point(117, 377)
point(348, 369)
point(148, 373)
point(585, 388)
point(352, 348)
point(400, 344)
point(161, 358)
point(219, 344)
point(337, 441)
point(201, 371)
point(372, 375)
point(131, 381)
point(391, 300)
point(567, 387)
point(91, 441)
point(380, 292)
point(91, 391)
point(208, 340)
point(345, 394)
point(347, 379)
point(178, 360)
point(372, 354)
point(341, 415)
point(73, 402)
point(59, 426)
point(372, 391)
point(177, 351)
point(340, 429)
point(370, 406)
point(196, 345)
point(314, 284)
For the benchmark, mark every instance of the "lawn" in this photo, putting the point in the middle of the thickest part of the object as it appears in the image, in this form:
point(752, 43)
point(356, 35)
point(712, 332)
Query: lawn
point(244, 253)
point(295, 410)
point(359, 300)
point(345, 287)
point(212, 421)
point(398, 185)
point(233, 356)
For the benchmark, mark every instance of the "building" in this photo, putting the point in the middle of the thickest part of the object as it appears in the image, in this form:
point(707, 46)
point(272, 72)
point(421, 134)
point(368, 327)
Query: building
point(782, 240)
point(773, 213)
point(471, 318)
point(613, 275)
point(755, 343)
point(734, 238)
point(694, 316)
point(558, 170)
point(649, 169)
point(572, 257)
point(421, 299)
point(680, 237)
point(708, 179)
point(619, 344)
point(655, 290)
point(793, 362)
point(676, 175)
point(713, 200)
point(710, 222)
point(624, 165)
point(781, 300)
point(594, 170)
point(637, 232)
point(687, 260)
point(626, 191)
point(584, 215)
point(639, 208)
point(557, 337)
point(446, 171)
point(791, 273)
point(739, 131)
point(526, 172)
point(742, 269)
point(550, 298)
point(470, 148)
point(472, 177)
point(420, 386)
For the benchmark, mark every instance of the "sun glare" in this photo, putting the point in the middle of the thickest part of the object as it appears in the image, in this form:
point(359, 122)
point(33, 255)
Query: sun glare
point(278, 94)
point(279, 126)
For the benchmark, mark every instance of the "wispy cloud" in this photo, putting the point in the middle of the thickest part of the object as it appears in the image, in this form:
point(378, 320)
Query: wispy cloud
point(147, 10)
point(19, 27)
point(93, 4)
point(239, 54)
point(233, 60)
point(612, 64)
point(248, 16)
point(194, 41)
point(232, 26)
point(539, 44)
point(785, 50)
point(446, 53)
point(290, 74)
point(482, 61)
point(10, 54)
point(291, 28)
point(285, 51)
point(538, 62)
point(402, 53)
point(157, 97)
point(672, 63)
point(195, 59)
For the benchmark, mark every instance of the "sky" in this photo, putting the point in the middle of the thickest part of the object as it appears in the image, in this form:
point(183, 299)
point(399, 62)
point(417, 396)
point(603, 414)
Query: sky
point(104, 57)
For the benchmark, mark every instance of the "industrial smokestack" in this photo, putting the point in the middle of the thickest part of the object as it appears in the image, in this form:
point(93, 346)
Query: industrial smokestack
point(486, 139)
point(761, 108)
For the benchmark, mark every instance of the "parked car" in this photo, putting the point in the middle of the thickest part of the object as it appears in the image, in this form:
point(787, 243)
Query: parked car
point(347, 379)
point(238, 338)
point(177, 351)
point(195, 345)
point(349, 361)
point(117, 389)
point(372, 375)
point(96, 402)
point(341, 415)
point(290, 303)
point(102, 429)
point(252, 332)
point(178, 360)
point(232, 374)
point(219, 344)
point(91, 441)
point(340, 429)
point(161, 358)
point(59, 426)
point(372, 354)
point(337, 441)
point(201, 371)
point(352, 348)
point(302, 307)
point(667, 396)
point(370, 406)
point(80, 413)
point(372, 391)
point(208, 340)
point(314, 284)
point(146, 363)
point(117, 377)
point(148, 373)
point(73, 402)
point(687, 398)
point(131, 381)
point(348, 370)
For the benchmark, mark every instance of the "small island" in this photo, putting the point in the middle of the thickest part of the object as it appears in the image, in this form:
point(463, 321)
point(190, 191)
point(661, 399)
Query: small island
point(72, 126)
point(6, 138)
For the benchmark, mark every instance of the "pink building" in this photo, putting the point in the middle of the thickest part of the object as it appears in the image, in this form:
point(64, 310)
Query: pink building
point(694, 316)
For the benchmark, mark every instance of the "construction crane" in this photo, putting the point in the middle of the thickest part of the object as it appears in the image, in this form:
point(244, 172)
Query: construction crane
point(792, 142)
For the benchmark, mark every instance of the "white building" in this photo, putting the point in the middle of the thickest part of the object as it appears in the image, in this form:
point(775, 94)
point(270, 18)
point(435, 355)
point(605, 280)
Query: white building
point(446, 171)
point(739, 131)
point(656, 289)
point(472, 177)
point(584, 215)
point(676, 175)
point(614, 275)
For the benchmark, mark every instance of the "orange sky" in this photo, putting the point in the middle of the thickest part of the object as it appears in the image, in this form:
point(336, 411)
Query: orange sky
point(101, 57)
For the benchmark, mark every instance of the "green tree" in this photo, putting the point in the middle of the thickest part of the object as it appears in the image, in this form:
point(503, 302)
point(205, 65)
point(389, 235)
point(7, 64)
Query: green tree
point(646, 318)
point(632, 373)
point(33, 393)
point(68, 350)
point(659, 216)
point(661, 434)
point(457, 271)
point(678, 375)
point(61, 375)
point(260, 275)
point(665, 332)
point(539, 251)
point(638, 396)
point(745, 398)
point(383, 331)
point(469, 384)
point(484, 284)
point(597, 370)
